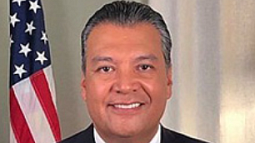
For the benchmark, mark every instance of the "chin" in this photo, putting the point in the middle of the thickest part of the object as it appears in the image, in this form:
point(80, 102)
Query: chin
point(126, 133)
point(126, 130)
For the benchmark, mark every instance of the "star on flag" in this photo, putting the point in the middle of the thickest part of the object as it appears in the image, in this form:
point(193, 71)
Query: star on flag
point(30, 28)
point(18, 1)
point(41, 57)
point(11, 41)
point(14, 19)
point(34, 6)
point(44, 37)
point(25, 49)
point(20, 70)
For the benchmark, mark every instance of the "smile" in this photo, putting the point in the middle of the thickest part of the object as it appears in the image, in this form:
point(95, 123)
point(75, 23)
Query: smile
point(129, 106)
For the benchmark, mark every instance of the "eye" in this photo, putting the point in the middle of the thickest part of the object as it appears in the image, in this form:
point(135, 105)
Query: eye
point(105, 69)
point(145, 67)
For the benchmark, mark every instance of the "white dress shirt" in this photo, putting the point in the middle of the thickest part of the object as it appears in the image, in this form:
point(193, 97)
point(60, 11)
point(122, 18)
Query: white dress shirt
point(155, 139)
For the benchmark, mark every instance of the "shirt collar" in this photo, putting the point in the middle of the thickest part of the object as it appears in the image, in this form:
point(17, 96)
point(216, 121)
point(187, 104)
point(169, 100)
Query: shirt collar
point(98, 139)
point(155, 139)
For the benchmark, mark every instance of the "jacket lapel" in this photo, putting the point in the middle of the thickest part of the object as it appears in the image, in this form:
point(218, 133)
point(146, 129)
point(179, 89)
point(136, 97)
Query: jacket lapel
point(166, 136)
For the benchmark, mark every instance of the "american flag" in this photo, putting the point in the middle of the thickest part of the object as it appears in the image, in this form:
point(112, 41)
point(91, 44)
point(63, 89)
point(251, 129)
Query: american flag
point(33, 115)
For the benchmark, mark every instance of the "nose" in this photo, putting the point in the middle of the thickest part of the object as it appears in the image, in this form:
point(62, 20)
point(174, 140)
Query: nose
point(126, 82)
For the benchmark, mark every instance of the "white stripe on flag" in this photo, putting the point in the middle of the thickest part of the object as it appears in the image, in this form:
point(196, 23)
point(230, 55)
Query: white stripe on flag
point(12, 137)
point(49, 78)
point(33, 112)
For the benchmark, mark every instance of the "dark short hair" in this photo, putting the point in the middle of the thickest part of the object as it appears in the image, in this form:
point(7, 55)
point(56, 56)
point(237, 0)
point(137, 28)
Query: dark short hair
point(127, 13)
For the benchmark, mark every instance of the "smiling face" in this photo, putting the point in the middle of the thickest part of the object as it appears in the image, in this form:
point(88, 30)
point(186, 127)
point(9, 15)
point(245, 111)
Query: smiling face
point(126, 83)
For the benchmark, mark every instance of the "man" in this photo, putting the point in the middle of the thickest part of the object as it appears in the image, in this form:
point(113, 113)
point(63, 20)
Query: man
point(127, 76)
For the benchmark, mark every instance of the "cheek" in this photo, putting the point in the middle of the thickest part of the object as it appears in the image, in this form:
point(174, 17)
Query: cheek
point(95, 91)
point(96, 94)
point(96, 99)
point(157, 88)
point(98, 91)
point(157, 93)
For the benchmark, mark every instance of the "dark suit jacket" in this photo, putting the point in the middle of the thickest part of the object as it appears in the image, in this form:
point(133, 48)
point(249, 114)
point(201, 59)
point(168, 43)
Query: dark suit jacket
point(167, 136)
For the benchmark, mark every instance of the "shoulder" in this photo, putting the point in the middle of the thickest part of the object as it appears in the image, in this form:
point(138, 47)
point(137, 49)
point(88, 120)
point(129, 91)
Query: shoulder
point(85, 135)
point(172, 136)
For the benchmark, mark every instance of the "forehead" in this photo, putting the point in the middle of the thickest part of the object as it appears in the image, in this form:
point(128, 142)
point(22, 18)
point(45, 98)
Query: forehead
point(109, 37)
point(108, 30)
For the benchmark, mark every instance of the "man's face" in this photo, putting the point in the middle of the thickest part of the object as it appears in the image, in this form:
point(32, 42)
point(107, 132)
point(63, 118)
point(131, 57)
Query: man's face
point(126, 84)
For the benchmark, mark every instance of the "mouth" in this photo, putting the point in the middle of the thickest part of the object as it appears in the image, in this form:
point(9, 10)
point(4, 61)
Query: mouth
point(127, 106)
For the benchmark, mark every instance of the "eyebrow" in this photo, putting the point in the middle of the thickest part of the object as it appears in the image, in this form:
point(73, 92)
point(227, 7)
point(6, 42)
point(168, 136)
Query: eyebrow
point(150, 57)
point(102, 58)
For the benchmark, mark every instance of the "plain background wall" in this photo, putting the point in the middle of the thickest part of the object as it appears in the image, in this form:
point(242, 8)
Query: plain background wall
point(4, 61)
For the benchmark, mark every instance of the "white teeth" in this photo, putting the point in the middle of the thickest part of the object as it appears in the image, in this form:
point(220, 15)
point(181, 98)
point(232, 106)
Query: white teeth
point(130, 106)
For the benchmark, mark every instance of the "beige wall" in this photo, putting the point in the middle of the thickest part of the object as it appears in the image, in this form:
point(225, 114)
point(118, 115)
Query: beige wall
point(238, 71)
point(214, 68)
point(4, 61)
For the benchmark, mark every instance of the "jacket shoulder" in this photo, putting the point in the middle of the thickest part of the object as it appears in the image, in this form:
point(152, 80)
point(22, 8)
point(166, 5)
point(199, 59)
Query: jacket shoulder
point(85, 135)
point(175, 137)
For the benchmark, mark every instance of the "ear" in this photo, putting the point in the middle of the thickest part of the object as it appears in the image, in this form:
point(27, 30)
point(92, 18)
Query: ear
point(83, 88)
point(169, 82)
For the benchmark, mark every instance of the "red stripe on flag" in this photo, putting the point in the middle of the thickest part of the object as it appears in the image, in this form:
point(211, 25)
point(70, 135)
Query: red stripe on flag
point(19, 125)
point(43, 93)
